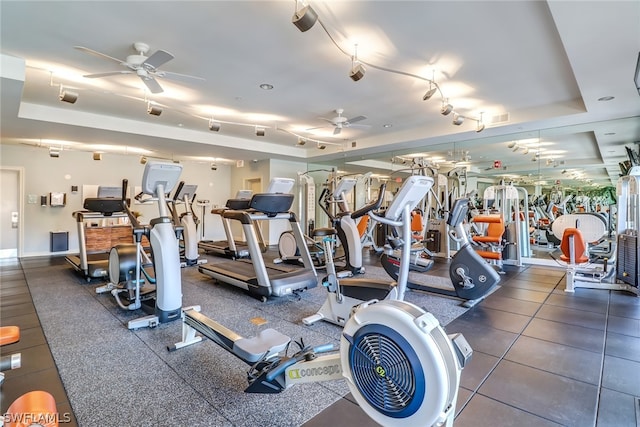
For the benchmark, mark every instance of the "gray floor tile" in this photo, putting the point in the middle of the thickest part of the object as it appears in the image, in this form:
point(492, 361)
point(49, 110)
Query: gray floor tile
point(624, 326)
point(523, 294)
point(560, 399)
point(564, 333)
point(498, 319)
point(576, 302)
point(477, 371)
point(482, 411)
point(616, 409)
point(623, 346)
point(586, 319)
point(530, 284)
point(511, 305)
point(621, 375)
point(625, 305)
point(483, 338)
point(556, 358)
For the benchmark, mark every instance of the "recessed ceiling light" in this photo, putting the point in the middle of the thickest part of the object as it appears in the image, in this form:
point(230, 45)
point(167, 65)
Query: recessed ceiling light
point(606, 98)
point(610, 133)
point(387, 125)
point(266, 86)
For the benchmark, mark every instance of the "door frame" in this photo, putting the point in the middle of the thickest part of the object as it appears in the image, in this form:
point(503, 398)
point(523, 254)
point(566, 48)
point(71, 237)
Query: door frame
point(20, 171)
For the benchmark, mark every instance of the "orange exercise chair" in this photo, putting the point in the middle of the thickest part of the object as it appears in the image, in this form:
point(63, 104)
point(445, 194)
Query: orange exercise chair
point(33, 408)
point(491, 239)
point(9, 335)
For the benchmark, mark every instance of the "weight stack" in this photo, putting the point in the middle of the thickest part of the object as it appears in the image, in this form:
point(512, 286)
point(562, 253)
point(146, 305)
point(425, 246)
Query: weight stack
point(627, 263)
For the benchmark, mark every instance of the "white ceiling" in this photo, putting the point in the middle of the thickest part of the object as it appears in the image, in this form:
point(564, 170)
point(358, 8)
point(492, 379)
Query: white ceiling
point(543, 64)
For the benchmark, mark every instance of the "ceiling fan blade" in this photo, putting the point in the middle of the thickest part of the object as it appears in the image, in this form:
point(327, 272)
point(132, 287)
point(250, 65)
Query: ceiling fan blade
point(177, 76)
point(357, 119)
point(107, 74)
point(152, 84)
point(99, 54)
point(159, 58)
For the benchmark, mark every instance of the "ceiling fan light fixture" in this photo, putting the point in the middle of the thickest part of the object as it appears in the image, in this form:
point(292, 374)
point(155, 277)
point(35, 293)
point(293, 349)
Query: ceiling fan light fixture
point(304, 18)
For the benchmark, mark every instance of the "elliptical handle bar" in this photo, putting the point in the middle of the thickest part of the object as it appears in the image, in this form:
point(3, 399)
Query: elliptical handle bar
point(375, 205)
point(324, 205)
point(125, 206)
point(178, 190)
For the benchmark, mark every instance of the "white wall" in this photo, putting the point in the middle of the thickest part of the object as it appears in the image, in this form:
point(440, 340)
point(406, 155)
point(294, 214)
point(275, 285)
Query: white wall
point(43, 174)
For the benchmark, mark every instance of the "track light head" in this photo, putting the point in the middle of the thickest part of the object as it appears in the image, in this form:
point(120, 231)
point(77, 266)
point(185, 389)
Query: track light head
point(97, 156)
point(429, 94)
point(457, 119)
point(68, 96)
point(214, 126)
point(321, 146)
point(526, 151)
point(446, 109)
point(214, 167)
point(54, 152)
point(480, 127)
point(511, 144)
point(516, 148)
point(357, 72)
point(143, 160)
point(301, 141)
point(259, 131)
point(153, 110)
point(304, 18)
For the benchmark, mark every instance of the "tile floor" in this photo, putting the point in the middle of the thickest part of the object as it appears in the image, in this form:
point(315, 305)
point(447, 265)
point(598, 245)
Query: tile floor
point(541, 357)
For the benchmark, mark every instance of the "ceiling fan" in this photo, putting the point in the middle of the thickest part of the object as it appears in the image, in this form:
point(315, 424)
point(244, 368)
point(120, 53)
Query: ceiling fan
point(145, 67)
point(339, 122)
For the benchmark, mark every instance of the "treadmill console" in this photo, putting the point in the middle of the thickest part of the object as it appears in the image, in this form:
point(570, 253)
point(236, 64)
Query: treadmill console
point(271, 204)
point(280, 185)
point(107, 206)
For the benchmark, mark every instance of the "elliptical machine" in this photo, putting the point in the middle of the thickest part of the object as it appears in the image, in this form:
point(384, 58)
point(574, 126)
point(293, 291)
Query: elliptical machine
point(165, 304)
point(345, 294)
point(472, 277)
point(188, 220)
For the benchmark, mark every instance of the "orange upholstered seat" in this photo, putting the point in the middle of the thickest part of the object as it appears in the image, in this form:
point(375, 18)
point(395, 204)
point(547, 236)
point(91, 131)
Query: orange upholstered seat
point(579, 247)
point(32, 407)
point(495, 229)
point(362, 225)
point(9, 334)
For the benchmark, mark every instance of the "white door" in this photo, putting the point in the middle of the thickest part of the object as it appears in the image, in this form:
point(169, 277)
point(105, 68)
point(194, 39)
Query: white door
point(9, 213)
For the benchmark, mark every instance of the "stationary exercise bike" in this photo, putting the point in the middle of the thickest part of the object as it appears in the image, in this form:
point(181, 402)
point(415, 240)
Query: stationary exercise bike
point(158, 179)
point(400, 365)
point(345, 294)
point(472, 277)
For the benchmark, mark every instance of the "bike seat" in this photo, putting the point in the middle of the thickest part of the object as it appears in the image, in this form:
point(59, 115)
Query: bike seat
point(325, 231)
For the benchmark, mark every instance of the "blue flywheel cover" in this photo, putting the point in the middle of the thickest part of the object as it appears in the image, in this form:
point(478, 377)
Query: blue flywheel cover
point(387, 371)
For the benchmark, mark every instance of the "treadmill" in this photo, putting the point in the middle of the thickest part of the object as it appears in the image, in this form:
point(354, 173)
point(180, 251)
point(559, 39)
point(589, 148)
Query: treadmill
point(93, 260)
point(260, 279)
point(232, 248)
